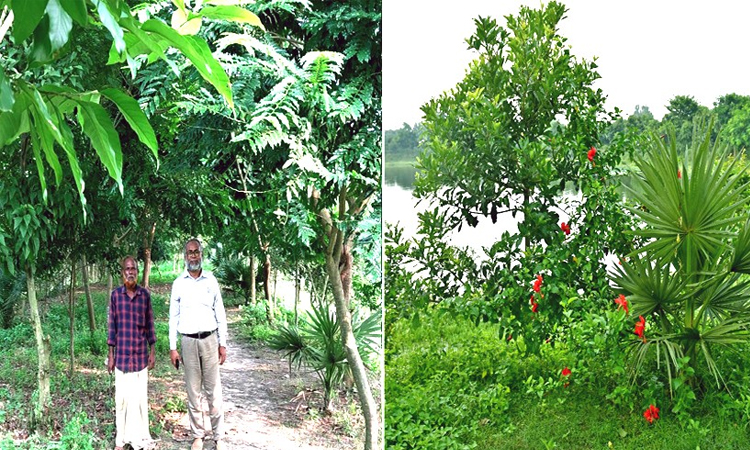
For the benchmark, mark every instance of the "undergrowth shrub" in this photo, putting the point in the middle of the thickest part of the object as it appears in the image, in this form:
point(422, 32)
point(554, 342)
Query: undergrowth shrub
point(445, 382)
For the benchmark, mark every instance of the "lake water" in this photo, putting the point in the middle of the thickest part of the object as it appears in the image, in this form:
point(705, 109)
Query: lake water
point(400, 207)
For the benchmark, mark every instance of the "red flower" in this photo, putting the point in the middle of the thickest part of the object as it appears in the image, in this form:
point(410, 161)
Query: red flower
point(565, 372)
point(538, 283)
point(565, 228)
point(640, 327)
point(591, 154)
point(534, 304)
point(651, 414)
point(679, 174)
point(623, 303)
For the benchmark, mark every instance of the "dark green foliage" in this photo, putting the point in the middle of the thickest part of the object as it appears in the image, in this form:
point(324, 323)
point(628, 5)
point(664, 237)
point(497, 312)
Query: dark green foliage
point(317, 344)
point(689, 281)
point(516, 137)
point(12, 287)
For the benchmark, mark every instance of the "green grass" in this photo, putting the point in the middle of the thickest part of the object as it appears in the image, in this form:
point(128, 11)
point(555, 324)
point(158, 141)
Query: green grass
point(84, 401)
point(453, 385)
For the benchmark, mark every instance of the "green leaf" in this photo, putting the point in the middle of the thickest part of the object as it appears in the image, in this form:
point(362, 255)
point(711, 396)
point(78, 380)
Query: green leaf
point(97, 125)
point(46, 129)
point(232, 13)
point(41, 51)
point(179, 4)
point(14, 123)
point(26, 16)
point(72, 160)
point(76, 9)
point(110, 22)
point(226, 2)
point(132, 112)
point(39, 164)
point(60, 24)
point(6, 93)
point(197, 51)
point(143, 43)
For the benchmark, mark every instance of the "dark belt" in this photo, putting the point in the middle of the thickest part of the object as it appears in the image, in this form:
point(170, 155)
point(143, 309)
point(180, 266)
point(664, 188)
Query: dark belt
point(201, 335)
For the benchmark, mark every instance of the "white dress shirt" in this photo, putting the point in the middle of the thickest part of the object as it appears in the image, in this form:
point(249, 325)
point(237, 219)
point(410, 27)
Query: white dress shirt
point(196, 306)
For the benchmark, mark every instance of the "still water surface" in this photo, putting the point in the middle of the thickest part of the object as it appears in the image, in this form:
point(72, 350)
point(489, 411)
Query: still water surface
point(400, 207)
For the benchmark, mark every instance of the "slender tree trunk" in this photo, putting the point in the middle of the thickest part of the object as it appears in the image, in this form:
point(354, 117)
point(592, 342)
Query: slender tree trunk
point(275, 283)
point(148, 242)
point(109, 282)
point(89, 301)
point(43, 350)
point(297, 287)
point(72, 315)
point(341, 299)
point(253, 287)
point(267, 288)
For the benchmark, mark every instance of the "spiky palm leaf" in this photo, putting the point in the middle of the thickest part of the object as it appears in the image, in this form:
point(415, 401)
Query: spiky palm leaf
point(289, 341)
point(689, 278)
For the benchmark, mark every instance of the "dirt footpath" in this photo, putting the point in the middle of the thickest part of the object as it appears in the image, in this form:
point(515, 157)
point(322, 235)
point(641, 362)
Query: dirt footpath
point(264, 408)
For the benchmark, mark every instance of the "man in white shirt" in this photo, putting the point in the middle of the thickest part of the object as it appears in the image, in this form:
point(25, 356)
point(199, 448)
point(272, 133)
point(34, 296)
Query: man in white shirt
point(196, 313)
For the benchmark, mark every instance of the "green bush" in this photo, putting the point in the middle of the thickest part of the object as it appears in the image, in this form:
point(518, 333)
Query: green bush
point(446, 381)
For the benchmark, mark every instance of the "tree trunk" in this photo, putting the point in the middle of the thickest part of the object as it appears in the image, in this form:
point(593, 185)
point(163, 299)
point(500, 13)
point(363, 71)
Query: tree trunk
point(297, 287)
point(253, 287)
point(267, 288)
point(148, 242)
point(275, 282)
point(337, 277)
point(89, 302)
point(72, 315)
point(43, 350)
point(109, 283)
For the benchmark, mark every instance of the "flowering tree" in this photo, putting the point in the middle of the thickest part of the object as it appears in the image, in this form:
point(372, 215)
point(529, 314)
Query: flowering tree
point(511, 137)
point(688, 284)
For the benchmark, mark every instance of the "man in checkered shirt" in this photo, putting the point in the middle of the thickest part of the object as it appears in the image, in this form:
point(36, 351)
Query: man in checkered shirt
point(131, 339)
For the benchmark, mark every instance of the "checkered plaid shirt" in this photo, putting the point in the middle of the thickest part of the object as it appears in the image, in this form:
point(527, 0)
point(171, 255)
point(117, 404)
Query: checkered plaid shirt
point(131, 328)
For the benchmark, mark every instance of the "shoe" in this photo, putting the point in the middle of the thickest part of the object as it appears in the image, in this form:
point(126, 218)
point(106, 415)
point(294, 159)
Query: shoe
point(197, 444)
point(220, 445)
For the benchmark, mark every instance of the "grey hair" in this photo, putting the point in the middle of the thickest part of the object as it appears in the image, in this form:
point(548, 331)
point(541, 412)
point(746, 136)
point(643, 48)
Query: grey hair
point(125, 259)
point(200, 247)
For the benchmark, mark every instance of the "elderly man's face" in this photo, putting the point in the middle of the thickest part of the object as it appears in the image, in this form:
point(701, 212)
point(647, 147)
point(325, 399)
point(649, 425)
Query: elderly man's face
point(129, 273)
point(193, 257)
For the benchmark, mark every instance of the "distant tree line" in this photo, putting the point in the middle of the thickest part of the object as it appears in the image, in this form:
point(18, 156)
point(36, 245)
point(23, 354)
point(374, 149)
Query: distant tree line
point(403, 144)
point(730, 113)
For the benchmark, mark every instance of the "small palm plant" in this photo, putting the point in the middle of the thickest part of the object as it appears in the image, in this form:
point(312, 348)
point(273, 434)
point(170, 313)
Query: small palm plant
point(316, 343)
point(689, 281)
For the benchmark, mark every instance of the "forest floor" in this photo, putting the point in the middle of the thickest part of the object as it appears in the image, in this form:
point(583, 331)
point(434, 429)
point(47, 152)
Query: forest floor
point(264, 407)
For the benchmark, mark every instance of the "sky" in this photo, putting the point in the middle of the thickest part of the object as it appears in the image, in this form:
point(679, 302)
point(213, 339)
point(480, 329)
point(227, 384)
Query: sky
point(647, 51)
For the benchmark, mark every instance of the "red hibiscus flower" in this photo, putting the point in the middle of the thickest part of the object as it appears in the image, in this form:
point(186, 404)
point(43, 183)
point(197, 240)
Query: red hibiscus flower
point(651, 414)
point(534, 304)
point(591, 154)
point(640, 327)
point(565, 228)
point(679, 174)
point(623, 303)
point(538, 283)
point(565, 372)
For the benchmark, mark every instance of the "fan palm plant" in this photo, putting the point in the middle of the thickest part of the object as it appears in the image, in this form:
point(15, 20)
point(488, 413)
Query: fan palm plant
point(689, 281)
point(317, 344)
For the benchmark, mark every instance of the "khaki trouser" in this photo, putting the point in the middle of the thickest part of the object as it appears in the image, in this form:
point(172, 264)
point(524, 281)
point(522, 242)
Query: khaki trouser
point(131, 408)
point(200, 358)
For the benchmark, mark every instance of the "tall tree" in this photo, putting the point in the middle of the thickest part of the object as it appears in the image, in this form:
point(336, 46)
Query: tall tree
point(36, 118)
point(520, 128)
